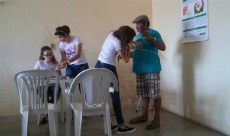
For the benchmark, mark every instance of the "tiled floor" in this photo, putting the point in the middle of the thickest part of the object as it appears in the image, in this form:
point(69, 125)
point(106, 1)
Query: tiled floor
point(171, 125)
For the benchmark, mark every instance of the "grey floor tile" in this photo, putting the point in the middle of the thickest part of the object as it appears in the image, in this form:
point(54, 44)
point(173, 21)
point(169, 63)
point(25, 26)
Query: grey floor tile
point(171, 125)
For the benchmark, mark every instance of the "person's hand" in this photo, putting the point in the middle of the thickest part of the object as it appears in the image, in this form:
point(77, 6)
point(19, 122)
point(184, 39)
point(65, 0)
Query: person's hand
point(57, 67)
point(118, 56)
point(62, 65)
point(63, 77)
point(148, 36)
point(139, 46)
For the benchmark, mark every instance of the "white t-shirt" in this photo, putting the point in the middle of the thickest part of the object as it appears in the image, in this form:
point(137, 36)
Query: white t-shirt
point(70, 50)
point(42, 65)
point(109, 50)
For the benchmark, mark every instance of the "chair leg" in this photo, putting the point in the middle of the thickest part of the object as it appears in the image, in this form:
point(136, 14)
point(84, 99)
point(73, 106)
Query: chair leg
point(61, 107)
point(77, 122)
point(68, 120)
point(108, 121)
point(24, 123)
point(105, 123)
point(53, 123)
point(56, 123)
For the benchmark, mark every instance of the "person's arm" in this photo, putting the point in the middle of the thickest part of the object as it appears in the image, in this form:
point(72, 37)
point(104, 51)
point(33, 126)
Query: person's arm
point(63, 59)
point(126, 56)
point(160, 45)
point(118, 56)
point(77, 55)
point(63, 56)
point(37, 66)
point(127, 53)
point(134, 45)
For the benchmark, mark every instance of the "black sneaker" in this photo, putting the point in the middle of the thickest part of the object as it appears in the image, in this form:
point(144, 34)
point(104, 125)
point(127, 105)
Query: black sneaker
point(125, 130)
point(114, 127)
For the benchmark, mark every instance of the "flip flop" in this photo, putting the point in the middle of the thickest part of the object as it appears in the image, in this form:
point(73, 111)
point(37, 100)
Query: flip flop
point(137, 119)
point(152, 125)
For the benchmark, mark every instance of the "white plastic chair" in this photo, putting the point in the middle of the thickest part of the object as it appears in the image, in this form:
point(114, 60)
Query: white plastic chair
point(33, 97)
point(61, 99)
point(94, 87)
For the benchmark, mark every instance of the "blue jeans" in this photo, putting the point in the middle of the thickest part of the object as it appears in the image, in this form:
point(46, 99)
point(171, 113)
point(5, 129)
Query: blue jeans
point(73, 70)
point(115, 95)
point(50, 92)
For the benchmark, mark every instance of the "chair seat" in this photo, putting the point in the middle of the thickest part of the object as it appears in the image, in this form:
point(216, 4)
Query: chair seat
point(88, 112)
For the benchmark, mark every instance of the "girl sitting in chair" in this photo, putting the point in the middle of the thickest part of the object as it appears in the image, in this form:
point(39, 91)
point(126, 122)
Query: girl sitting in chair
point(47, 61)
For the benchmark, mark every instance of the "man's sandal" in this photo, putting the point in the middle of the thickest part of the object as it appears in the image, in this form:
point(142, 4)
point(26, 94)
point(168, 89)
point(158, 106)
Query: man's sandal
point(137, 119)
point(152, 125)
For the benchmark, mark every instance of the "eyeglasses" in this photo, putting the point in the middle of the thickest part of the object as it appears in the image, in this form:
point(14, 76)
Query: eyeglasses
point(50, 54)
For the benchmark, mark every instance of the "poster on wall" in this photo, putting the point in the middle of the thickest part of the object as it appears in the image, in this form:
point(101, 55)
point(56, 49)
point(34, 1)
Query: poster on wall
point(194, 20)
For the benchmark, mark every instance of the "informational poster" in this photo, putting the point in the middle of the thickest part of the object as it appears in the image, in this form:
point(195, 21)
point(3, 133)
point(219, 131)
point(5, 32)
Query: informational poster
point(194, 20)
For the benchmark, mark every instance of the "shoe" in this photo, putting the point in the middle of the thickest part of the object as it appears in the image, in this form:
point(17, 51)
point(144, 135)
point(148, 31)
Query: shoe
point(43, 121)
point(125, 130)
point(114, 127)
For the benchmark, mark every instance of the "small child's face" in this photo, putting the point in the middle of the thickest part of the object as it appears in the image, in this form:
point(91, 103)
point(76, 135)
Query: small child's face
point(48, 55)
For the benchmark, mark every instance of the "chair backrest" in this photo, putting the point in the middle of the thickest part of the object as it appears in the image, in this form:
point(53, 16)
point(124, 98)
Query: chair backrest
point(93, 85)
point(32, 89)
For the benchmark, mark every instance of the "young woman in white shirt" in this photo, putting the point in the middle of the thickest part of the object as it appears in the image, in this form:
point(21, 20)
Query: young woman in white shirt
point(72, 54)
point(47, 61)
point(117, 46)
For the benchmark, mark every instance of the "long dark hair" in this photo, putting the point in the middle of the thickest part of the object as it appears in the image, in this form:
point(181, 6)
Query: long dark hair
point(125, 34)
point(43, 49)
